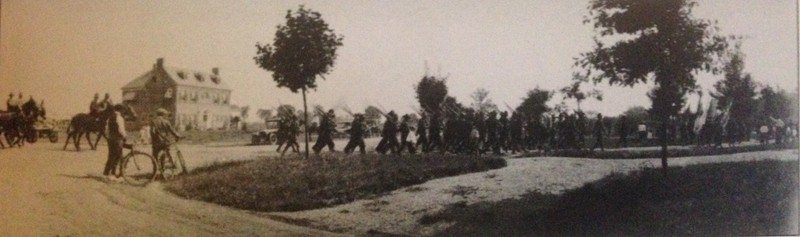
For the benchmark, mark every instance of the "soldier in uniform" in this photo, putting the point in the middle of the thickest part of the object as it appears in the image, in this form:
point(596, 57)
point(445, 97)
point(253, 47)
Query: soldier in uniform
point(503, 131)
point(515, 142)
point(491, 133)
point(327, 126)
point(389, 135)
point(598, 130)
point(434, 137)
point(290, 136)
point(580, 129)
point(422, 132)
point(358, 129)
point(405, 129)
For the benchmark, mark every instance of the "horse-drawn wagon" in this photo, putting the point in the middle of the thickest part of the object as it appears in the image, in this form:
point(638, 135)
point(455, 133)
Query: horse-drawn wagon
point(43, 129)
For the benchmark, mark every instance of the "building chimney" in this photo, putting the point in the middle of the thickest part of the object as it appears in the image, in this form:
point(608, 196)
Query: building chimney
point(215, 71)
point(160, 62)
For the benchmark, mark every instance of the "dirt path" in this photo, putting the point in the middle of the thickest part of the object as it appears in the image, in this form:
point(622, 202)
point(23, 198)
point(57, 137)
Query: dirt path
point(400, 211)
point(50, 192)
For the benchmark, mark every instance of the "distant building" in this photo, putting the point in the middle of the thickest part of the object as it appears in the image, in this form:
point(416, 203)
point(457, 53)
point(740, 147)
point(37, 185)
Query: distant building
point(195, 99)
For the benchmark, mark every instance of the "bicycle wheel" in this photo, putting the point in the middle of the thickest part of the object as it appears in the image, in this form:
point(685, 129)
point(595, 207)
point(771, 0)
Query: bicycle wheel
point(138, 168)
point(169, 168)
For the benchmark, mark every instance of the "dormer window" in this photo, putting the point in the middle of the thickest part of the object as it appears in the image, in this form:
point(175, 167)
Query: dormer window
point(199, 77)
point(215, 79)
point(182, 75)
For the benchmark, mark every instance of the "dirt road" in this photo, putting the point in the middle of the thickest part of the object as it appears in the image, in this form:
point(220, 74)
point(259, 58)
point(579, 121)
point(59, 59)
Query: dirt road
point(49, 192)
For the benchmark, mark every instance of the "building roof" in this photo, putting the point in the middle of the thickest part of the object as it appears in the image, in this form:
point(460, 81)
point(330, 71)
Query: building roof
point(181, 77)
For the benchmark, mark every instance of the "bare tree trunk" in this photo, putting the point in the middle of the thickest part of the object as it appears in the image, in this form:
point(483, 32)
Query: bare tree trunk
point(305, 119)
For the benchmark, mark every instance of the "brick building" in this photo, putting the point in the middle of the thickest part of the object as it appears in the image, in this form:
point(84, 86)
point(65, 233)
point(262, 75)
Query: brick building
point(195, 99)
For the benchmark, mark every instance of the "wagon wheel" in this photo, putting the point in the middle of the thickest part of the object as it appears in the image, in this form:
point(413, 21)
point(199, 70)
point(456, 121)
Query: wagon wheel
point(32, 136)
point(273, 139)
point(53, 136)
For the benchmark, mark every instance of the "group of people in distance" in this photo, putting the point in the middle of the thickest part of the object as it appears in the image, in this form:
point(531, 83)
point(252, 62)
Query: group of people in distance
point(469, 132)
point(466, 132)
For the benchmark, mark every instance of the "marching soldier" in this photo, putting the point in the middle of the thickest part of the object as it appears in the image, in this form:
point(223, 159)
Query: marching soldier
point(357, 130)
point(422, 132)
point(405, 129)
point(491, 133)
point(434, 137)
point(598, 130)
point(327, 126)
point(389, 135)
point(502, 131)
point(290, 136)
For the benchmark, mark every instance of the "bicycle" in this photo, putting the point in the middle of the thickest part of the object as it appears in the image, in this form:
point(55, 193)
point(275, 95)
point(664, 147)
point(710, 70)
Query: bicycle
point(137, 168)
point(167, 165)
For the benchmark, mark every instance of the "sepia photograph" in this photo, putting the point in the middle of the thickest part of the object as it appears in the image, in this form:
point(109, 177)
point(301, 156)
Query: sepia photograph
point(399, 118)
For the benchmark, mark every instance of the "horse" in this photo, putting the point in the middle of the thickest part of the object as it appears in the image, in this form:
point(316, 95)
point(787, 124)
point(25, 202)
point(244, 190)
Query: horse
point(83, 124)
point(18, 125)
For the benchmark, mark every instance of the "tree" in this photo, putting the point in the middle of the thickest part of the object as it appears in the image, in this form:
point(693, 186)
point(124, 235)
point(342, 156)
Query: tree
point(264, 114)
point(737, 89)
point(573, 91)
point(304, 48)
point(431, 92)
point(776, 103)
point(658, 40)
point(636, 114)
point(481, 102)
point(535, 104)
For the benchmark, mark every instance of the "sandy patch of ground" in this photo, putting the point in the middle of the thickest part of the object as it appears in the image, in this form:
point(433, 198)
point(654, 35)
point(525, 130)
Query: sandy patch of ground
point(399, 211)
point(50, 192)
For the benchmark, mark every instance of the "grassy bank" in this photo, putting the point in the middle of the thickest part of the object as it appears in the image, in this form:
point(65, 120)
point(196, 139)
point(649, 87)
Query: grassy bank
point(294, 184)
point(743, 198)
point(656, 153)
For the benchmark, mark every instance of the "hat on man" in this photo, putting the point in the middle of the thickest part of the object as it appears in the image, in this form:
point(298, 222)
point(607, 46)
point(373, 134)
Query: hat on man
point(162, 111)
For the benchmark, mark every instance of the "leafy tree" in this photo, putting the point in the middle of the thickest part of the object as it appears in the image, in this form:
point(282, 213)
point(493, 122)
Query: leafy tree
point(573, 91)
point(658, 40)
point(304, 48)
point(431, 92)
point(264, 114)
point(481, 102)
point(776, 103)
point(636, 115)
point(737, 89)
point(535, 104)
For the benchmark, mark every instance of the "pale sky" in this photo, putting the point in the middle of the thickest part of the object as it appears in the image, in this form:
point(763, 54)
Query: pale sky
point(65, 51)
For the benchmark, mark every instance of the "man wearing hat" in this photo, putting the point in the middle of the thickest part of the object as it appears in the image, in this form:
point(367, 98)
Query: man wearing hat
point(162, 134)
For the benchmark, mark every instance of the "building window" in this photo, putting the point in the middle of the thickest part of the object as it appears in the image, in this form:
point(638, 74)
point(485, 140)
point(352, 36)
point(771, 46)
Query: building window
point(199, 77)
point(182, 75)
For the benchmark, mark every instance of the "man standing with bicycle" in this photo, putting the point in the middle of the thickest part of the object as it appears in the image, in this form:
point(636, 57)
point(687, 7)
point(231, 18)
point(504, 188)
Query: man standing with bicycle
point(162, 134)
point(116, 137)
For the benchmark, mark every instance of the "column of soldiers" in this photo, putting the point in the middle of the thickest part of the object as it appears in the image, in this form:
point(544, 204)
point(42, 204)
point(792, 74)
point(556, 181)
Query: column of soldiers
point(465, 132)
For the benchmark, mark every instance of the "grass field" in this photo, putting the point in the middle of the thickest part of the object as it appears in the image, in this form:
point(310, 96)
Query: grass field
point(741, 198)
point(656, 153)
point(293, 184)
